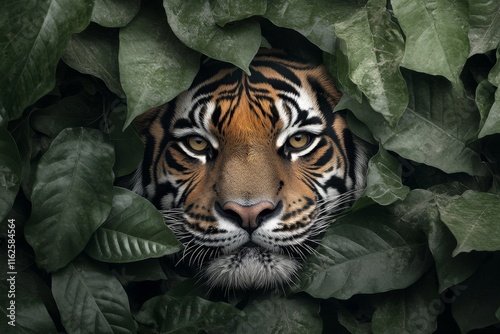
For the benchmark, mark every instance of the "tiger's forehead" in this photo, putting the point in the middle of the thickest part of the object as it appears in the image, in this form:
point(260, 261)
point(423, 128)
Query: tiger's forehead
point(234, 106)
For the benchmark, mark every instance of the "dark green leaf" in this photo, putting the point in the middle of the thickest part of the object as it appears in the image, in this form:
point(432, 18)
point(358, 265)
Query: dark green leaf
point(227, 11)
point(478, 298)
point(72, 111)
point(374, 48)
point(154, 65)
point(91, 300)
point(435, 128)
point(30, 313)
point(115, 13)
point(189, 314)
point(436, 35)
point(383, 179)
point(412, 310)
point(473, 220)
point(129, 148)
point(279, 315)
point(420, 209)
point(368, 251)
point(494, 75)
point(146, 270)
point(31, 296)
point(194, 24)
point(24, 137)
point(95, 51)
point(484, 20)
point(10, 172)
point(315, 19)
point(71, 197)
point(133, 231)
point(34, 35)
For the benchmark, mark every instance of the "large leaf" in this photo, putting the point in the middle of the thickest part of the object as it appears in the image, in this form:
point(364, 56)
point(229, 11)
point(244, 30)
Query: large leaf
point(34, 35)
point(473, 220)
point(10, 172)
point(129, 148)
point(91, 300)
point(279, 315)
point(95, 51)
point(154, 65)
point(133, 231)
point(71, 197)
point(479, 299)
point(29, 294)
point(383, 179)
point(436, 35)
point(69, 112)
point(188, 314)
point(484, 20)
point(368, 251)
point(374, 48)
point(315, 19)
point(435, 128)
point(194, 24)
point(420, 208)
point(227, 11)
point(115, 13)
point(412, 310)
point(489, 103)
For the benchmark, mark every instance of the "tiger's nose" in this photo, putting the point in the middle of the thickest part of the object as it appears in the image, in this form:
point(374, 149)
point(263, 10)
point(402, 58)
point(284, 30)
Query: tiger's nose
point(250, 217)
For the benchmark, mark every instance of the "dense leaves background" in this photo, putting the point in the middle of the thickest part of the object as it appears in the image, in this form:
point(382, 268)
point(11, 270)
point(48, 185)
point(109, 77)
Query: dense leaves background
point(418, 253)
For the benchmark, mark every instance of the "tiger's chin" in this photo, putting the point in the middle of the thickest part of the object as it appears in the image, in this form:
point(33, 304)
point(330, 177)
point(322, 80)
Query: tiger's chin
point(251, 268)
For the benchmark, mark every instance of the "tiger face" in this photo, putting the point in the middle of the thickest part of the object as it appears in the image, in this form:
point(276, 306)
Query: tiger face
point(248, 170)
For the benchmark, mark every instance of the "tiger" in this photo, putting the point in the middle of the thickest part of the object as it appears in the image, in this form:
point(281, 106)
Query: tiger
point(248, 170)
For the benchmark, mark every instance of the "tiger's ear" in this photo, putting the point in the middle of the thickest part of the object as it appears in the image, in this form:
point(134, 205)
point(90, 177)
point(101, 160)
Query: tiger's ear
point(143, 122)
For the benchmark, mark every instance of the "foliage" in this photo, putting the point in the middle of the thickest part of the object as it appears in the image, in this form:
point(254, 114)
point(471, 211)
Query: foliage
point(419, 252)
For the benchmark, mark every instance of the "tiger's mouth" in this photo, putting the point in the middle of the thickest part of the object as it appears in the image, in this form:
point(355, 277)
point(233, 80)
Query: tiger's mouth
point(251, 267)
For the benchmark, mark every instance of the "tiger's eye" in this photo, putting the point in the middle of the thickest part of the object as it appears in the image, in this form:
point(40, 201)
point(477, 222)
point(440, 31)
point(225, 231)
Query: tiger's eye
point(299, 140)
point(197, 143)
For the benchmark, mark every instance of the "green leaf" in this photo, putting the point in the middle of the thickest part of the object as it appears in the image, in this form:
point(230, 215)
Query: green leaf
point(383, 179)
point(91, 300)
point(279, 315)
point(420, 209)
point(484, 20)
point(473, 220)
point(31, 296)
point(227, 11)
point(314, 19)
point(478, 300)
point(412, 310)
point(10, 172)
point(374, 48)
point(30, 314)
point(33, 38)
point(236, 44)
point(115, 13)
point(129, 148)
point(72, 111)
point(436, 35)
point(71, 197)
point(368, 251)
point(133, 231)
point(494, 75)
point(95, 51)
point(435, 128)
point(492, 121)
point(145, 270)
point(154, 65)
point(189, 314)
